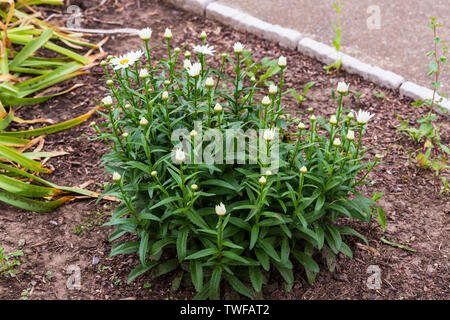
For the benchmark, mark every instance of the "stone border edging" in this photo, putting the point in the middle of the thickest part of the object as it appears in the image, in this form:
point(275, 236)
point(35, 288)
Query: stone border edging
point(293, 39)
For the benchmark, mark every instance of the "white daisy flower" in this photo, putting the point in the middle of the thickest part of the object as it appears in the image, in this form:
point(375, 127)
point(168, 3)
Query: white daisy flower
point(282, 63)
point(362, 117)
point(116, 177)
point(168, 34)
point(273, 89)
point(342, 87)
point(126, 60)
point(205, 49)
point(180, 156)
point(145, 34)
point(194, 70)
point(269, 134)
point(221, 210)
point(143, 73)
point(238, 47)
point(266, 101)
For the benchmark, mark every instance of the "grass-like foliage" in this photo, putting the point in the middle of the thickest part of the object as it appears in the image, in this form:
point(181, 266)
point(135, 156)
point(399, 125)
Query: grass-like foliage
point(220, 223)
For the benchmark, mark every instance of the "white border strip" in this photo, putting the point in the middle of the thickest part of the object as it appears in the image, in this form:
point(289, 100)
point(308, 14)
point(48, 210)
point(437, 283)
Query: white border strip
point(293, 39)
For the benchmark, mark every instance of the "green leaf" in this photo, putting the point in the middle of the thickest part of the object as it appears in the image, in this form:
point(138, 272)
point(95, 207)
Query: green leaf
point(235, 257)
point(140, 270)
point(305, 260)
point(202, 253)
point(182, 243)
point(124, 248)
point(255, 278)
point(238, 285)
point(215, 282)
point(197, 274)
point(143, 247)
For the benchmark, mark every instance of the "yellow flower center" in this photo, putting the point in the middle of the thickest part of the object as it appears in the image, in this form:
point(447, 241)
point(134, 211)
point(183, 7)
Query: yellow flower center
point(124, 61)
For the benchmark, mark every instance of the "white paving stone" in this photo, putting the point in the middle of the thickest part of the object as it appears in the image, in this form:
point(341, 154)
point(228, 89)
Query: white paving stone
point(385, 78)
point(416, 92)
point(317, 50)
point(195, 6)
point(355, 66)
point(221, 13)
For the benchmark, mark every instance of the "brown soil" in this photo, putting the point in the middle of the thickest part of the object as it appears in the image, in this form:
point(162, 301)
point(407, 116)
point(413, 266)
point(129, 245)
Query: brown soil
point(417, 216)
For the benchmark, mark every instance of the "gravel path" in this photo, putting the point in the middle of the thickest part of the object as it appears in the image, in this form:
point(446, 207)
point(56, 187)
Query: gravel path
point(399, 45)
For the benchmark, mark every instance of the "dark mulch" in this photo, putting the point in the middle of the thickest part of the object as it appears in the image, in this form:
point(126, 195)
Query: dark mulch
point(417, 216)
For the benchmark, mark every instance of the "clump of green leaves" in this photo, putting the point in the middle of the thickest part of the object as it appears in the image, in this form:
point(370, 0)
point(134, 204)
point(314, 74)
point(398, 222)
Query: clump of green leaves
point(434, 153)
point(10, 262)
point(216, 221)
point(302, 98)
point(338, 7)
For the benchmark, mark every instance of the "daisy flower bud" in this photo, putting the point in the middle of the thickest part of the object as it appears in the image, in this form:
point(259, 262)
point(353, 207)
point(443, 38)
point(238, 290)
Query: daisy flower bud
point(312, 118)
point(180, 156)
point(143, 73)
point(301, 126)
point(187, 54)
point(218, 108)
point(109, 82)
point(203, 35)
point(110, 57)
point(378, 156)
point(167, 82)
point(143, 122)
point(333, 120)
point(221, 210)
point(154, 173)
point(127, 106)
point(351, 135)
point(262, 180)
point(223, 55)
point(269, 134)
point(116, 177)
point(103, 63)
point(282, 63)
point(337, 142)
point(145, 34)
point(342, 88)
point(165, 95)
point(194, 187)
point(177, 50)
point(351, 115)
point(168, 34)
point(303, 170)
point(193, 133)
point(363, 117)
point(238, 48)
point(92, 124)
point(266, 101)
point(253, 79)
point(268, 173)
point(209, 83)
point(125, 134)
point(273, 89)
point(310, 110)
point(107, 101)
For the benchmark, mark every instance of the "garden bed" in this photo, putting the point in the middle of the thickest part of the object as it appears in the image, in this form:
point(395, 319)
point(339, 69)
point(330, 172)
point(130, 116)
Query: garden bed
point(417, 216)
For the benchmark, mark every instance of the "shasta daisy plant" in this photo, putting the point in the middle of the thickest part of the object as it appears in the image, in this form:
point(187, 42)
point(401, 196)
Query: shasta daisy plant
point(191, 210)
